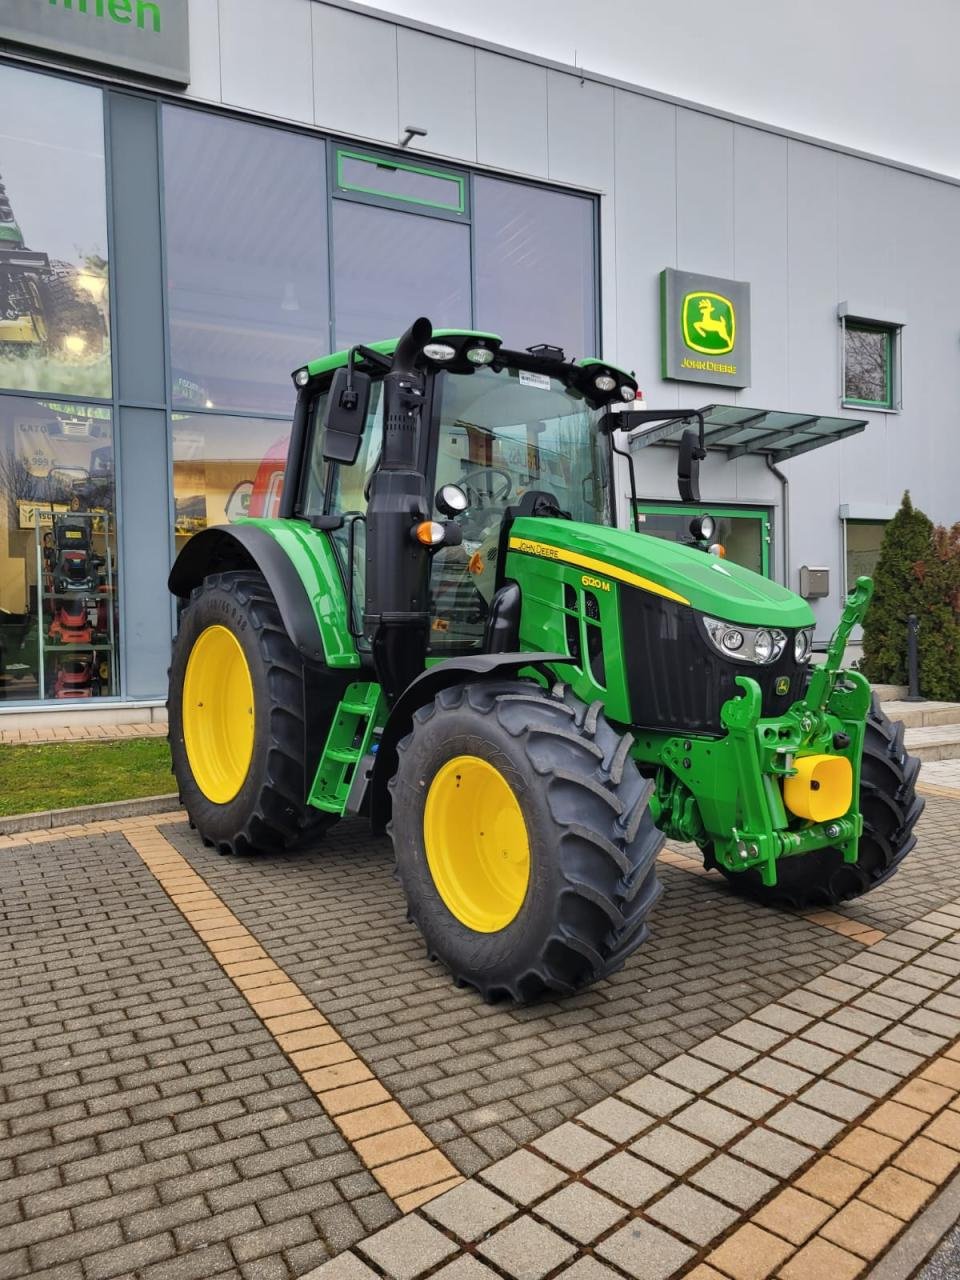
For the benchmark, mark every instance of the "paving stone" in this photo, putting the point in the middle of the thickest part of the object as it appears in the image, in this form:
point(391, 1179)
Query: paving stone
point(832, 1180)
point(944, 1072)
point(783, 1018)
point(691, 1214)
point(407, 1248)
point(772, 1152)
point(464, 1268)
point(810, 1003)
point(616, 1120)
point(523, 1176)
point(588, 1269)
point(889, 1058)
point(831, 1036)
point(866, 1149)
point(805, 1124)
point(661, 1098)
point(807, 1056)
point(898, 1193)
point(928, 1159)
point(711, 1123)
point(749, 1099)
point(925, 1095)
point(821, 1260)
point(641, 1249)
point(738, 1183)
point(724, 1053)
point(756, 1035)
point(670, 1149)
point(628, 1178)
point(945, 1129)
point(896, 1120)
point(750, 1253)
point(793, 1215)
point(835, 1100)
point(690, 1073)
point(860, 1228)
point(777, 1075)
point(469, 1211)
point(580, 1212)
point(526, 1249)
point(573, 1147)
point(347, 1266)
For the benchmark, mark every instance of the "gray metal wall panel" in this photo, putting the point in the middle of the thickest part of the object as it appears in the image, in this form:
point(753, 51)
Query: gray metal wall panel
point(760, 256)
point(136, 278)
point(204, 18)
point(511, 114)
point(438, 92)
point(267, 57)
point(354, 74)
point(581, 141)
point(145, 552)
point(704, 194)
point(646, 226)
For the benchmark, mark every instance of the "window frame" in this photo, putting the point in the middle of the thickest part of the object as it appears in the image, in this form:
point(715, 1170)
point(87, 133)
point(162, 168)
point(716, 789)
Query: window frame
point(891, 333)
point(339, 189)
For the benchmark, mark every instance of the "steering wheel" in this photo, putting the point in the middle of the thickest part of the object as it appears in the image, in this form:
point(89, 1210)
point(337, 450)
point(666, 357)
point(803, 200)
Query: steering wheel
point(491, 496)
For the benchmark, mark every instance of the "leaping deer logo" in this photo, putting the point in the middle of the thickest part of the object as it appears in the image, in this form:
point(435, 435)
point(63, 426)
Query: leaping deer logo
point(709, 323)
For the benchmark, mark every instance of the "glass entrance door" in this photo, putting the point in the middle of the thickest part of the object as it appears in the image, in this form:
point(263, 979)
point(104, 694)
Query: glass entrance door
point(743, 532)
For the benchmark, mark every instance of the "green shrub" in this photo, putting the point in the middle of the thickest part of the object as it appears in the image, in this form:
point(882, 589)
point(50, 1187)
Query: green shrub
point(898, 592)
point(939, 639)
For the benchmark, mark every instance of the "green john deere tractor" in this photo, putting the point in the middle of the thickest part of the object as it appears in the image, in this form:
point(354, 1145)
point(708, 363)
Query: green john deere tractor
point(525, 696)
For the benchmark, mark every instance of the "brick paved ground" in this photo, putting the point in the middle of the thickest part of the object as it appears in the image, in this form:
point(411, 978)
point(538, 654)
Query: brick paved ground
point(152, 1126)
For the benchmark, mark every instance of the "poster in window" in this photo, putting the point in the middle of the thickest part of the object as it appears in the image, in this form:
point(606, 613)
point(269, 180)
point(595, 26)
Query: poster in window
point(54, 280)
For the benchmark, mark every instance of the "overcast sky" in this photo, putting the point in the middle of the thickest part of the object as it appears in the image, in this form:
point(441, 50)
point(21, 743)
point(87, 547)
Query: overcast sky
point(879, 75)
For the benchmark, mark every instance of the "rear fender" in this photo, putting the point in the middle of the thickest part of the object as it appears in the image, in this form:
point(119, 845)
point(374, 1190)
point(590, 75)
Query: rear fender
point(487, 666)
point(301, 569)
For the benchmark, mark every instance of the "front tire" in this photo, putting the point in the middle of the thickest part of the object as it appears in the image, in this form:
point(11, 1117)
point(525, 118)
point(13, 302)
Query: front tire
point(890, 807)
point(236, 717)
point(523, 838)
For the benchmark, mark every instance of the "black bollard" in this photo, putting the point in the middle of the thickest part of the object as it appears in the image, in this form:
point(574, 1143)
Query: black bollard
point(913, 670)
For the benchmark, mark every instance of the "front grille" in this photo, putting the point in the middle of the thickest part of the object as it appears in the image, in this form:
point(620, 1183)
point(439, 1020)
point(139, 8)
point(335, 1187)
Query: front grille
point(677, 680)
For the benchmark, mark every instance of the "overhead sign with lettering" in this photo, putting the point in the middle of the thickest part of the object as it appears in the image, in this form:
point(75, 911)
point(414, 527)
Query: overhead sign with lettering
point(704, 328)
point(147, 36)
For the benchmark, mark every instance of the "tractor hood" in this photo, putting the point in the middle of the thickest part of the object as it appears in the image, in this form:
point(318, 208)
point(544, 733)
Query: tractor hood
point(706, 583)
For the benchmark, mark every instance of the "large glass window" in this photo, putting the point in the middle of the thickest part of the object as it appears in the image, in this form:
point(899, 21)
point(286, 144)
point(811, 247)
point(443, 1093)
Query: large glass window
point(535, 271)
point(58, 566)
point(390, 267)
point(863, 541)
point(246, 260)
point(743, 533)
point(54, 308)
point(225, 468)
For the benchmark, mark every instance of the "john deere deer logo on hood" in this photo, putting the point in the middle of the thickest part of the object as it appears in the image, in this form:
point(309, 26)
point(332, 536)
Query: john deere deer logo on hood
point(709, 323)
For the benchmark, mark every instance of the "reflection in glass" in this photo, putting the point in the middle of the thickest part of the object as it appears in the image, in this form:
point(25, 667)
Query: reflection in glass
point(535, 265)
point(867, 365)
point(225, 468)
point(59, 627)
point(54, 294)
point(390, 267)
point(247, 260)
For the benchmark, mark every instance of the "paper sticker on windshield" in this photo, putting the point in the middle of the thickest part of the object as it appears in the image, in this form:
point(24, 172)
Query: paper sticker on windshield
point(540, 380)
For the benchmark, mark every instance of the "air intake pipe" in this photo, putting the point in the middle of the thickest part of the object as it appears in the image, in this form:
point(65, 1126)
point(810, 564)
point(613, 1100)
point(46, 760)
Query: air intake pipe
point(396, 619)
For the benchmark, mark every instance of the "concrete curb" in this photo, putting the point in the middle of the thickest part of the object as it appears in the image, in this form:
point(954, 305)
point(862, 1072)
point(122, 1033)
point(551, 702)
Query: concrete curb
point(922, 1238)
point(51, 818)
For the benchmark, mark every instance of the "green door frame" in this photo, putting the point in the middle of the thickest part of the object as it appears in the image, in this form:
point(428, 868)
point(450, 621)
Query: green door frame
point(751, 513)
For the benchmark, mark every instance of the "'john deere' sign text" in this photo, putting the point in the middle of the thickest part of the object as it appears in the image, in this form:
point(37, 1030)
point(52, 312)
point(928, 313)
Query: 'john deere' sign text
point(148, 36)
point(704, 328)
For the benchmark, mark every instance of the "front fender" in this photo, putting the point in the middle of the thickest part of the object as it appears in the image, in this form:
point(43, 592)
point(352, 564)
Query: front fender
point(300, 567)
point(424, 689)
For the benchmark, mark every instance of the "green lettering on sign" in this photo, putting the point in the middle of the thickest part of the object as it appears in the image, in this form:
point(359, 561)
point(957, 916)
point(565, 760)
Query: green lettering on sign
point(147, 13)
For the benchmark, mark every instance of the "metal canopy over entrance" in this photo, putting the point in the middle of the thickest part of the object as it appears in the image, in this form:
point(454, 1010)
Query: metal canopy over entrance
point(738, 430)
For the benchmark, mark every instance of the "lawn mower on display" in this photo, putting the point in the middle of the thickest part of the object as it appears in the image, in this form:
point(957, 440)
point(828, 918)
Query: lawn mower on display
point(528, 698)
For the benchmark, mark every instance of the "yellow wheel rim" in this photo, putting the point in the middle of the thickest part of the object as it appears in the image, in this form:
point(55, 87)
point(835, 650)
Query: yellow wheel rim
point(476, 842)
point(218, 714)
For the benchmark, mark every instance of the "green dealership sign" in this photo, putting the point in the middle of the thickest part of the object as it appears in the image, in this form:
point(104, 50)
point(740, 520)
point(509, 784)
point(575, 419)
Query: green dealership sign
point(146, 36)
point(704, 329)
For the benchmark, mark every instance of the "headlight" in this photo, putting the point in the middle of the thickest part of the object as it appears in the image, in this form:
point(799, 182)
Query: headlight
point(702, 528)
point(604, 382)
point(802, 645)
point(302, 377)
point(480, 355)
point(439, 351)
point(761, 645)
point(627, 393)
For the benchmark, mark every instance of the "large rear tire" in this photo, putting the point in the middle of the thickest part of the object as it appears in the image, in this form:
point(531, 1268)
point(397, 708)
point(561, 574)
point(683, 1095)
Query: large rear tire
point(236, 716)
point(890, 807)
point(523, 838)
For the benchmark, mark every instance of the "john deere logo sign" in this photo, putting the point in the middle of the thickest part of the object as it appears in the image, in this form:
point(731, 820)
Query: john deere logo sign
point(148, 36)
point(705, 328)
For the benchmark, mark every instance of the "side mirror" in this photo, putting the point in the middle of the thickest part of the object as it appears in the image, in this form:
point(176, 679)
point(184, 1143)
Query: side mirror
point(345, 415)
point(688, 467)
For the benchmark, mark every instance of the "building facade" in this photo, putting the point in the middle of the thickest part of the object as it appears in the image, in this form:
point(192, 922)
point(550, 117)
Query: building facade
point(197, 198)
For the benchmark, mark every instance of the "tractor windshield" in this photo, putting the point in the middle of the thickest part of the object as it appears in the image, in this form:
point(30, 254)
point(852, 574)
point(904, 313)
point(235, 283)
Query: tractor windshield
point(500, 435)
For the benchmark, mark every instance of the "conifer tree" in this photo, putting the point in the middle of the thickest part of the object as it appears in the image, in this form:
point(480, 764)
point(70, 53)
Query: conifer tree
point(939, 639)
point(898, 592)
